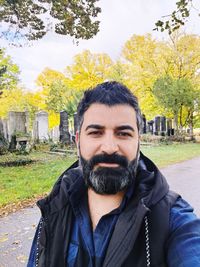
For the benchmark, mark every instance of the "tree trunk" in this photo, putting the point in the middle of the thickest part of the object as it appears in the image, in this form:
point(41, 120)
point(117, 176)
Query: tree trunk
point(191, 125)
point(176, 123)
point(180, 119)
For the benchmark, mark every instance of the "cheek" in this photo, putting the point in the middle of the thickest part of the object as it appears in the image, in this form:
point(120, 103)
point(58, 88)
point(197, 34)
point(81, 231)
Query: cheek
point(87, 148)
point(130, 150)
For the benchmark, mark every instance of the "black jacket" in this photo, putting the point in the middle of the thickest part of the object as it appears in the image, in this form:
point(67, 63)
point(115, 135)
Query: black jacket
point(139, 236)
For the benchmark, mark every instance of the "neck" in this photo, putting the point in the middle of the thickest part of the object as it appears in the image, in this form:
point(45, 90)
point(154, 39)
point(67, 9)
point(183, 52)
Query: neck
point(99, 205)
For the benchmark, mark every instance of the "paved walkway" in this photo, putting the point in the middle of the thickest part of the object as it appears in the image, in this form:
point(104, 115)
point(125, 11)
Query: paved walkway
point(17, 229)
point(184, 178)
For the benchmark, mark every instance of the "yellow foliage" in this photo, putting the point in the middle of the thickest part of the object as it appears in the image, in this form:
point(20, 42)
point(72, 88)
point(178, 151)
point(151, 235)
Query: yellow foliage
point(148, 59)
point(46, 79)
point(48, 76)
point(143, 61)
point(12, 100)
point(54, 119)
point(35, 100)
point(184, 58)
point(88, 70)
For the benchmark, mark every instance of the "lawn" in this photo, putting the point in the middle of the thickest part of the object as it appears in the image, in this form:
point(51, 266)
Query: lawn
point(22, 183)
point(164, 155)
point(26, 182)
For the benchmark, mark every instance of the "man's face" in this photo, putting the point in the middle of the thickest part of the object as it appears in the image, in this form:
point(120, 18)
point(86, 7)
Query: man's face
point(108, 145)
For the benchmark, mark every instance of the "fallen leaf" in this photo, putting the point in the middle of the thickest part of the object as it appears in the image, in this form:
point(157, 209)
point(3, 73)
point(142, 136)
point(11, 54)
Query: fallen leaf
point(3, 239)
point(5, 234)
point(16, 242)
point(22, 258)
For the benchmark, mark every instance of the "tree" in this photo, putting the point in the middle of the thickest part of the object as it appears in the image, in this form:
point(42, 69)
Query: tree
point(45, 80)
point(184, 57)
point(12, 99)
point(60, 91)
point(178, 96)
point(149, 60)
point(183, 63)
point(56, 93)
point(61, 97)
point(117, 72)
point(177, 18)
point(8, 72)
point(31, 20)
point(88, 69)
point(145, 62)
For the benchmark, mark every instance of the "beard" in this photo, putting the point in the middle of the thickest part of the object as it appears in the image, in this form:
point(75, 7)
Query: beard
point(108, 180)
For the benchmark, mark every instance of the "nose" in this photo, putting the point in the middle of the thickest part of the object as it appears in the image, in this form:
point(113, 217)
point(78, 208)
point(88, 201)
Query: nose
point(109, 144)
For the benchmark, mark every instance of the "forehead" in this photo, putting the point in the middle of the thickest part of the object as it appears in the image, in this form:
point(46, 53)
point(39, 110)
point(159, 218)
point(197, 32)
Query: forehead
point(112, 116)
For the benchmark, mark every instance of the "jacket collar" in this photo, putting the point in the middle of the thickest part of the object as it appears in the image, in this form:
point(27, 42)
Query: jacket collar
point(150, 186)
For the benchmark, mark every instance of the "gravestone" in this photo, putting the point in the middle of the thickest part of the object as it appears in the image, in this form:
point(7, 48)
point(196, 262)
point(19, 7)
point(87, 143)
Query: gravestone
point(169, 127)
point(64, 128)
point(1, 127)
point(157, 121)
point(144, 124)
point(188, 130)
point(40, 126)
point(150, 126)
point(55, 134)
point(17, 123)
point(3, 140)
point(5, 128)
point(163, 125)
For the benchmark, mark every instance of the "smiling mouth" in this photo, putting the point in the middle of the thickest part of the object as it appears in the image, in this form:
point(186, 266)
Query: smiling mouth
point(109, 165)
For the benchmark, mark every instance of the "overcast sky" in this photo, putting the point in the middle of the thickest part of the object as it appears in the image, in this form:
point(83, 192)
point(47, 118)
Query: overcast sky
point(120, 19)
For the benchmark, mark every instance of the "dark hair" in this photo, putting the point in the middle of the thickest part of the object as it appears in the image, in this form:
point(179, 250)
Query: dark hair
point(110, 94)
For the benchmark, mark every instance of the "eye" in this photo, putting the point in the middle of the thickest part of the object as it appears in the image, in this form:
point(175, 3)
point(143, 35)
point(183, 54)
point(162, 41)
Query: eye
point(124, 134)
point(95, 133)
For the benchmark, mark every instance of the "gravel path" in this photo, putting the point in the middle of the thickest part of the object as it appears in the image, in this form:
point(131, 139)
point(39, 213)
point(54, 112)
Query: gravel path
point(17, 229)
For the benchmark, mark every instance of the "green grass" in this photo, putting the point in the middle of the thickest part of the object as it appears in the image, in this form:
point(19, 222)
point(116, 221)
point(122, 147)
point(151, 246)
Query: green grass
point(26, 182)
point(164, 155)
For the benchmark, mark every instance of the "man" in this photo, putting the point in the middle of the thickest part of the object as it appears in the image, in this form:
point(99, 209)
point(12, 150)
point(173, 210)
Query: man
point(113, 207)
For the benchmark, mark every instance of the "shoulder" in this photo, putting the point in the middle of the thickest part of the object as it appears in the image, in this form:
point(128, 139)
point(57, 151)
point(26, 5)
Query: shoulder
point(183, 245)
point(182, 213)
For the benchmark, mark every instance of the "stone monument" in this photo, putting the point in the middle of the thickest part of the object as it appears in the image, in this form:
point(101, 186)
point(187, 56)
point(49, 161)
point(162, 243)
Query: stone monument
point(40, 126)
point(64, 128)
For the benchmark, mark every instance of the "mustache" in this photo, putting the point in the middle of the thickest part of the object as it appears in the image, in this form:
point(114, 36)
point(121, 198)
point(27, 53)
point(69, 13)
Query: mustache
point(105, 158)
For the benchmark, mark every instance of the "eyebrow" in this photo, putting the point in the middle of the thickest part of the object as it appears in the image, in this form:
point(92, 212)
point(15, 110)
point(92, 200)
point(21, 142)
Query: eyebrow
point(94, 126)
point(100, 127)
point(125, 127)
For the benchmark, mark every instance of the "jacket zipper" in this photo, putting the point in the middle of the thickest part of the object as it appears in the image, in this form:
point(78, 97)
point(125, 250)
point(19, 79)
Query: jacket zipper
point(147, 245)
point(37, 241)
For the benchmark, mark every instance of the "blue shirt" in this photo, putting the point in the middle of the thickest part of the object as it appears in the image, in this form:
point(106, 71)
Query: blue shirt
point(183, 246)
point(95, 242)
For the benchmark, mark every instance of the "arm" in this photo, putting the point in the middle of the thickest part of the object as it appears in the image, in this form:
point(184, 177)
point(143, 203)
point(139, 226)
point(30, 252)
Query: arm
point(184, 243)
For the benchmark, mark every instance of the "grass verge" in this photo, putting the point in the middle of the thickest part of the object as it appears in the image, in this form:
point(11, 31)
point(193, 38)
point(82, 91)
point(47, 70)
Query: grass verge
point(164, 155)
point(22, 184)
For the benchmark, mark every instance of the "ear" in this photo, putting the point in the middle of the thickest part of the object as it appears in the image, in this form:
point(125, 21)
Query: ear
point(77, 143)
point(77, 138)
